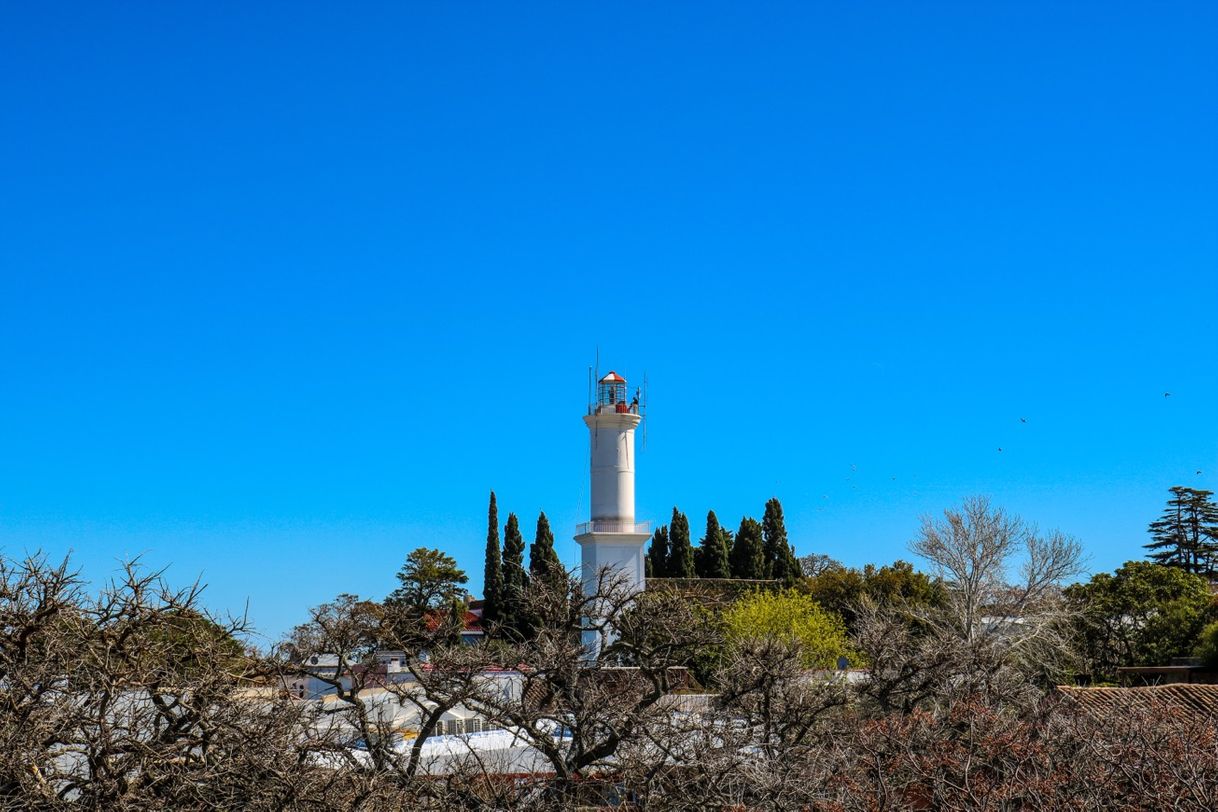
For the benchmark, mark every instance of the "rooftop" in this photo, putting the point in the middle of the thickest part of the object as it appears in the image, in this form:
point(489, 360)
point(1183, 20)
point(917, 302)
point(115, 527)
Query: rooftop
point(1197, 702)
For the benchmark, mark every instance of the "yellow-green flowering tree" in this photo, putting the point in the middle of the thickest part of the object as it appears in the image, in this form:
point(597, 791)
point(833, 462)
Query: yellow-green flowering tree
point(791, 617)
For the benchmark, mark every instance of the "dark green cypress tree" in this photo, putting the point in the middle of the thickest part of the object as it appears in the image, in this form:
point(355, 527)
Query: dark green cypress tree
point(515, 578)
point(747, 556)
point(794, 570)
point(1186, 535)
point(712, 560)
point(456, 619)
point(543, 560)
point(780, 563)
point(657, 553)
point(492, 589)
point(680, 550)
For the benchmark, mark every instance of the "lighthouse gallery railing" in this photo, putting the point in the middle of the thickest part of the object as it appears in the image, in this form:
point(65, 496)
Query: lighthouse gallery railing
point(612, 527)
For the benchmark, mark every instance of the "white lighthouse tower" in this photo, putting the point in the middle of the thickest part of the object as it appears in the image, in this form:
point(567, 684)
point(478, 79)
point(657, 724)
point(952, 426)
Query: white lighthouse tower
point(613, 539)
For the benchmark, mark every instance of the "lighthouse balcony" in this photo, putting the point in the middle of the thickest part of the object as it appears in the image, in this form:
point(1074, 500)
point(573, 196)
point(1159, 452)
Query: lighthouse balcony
point(634, 528)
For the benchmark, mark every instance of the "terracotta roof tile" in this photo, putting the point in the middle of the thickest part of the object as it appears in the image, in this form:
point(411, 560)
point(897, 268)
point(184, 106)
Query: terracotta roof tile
point(1199, 702)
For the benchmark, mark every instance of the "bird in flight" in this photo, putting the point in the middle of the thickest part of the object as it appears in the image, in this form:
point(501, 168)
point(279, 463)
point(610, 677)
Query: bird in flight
point(1198, 472)
point(1167, 394)
point(999, 449)
point(1023, 420)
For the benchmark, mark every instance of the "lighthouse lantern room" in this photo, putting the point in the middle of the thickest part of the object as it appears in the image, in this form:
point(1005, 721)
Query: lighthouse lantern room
point(611, 395)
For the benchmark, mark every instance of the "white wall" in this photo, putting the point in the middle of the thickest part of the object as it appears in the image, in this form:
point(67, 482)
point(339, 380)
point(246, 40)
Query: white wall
point(611, 437)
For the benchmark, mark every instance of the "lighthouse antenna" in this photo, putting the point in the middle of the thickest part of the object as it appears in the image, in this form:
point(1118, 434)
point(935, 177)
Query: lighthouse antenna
point(596, 432)
point(589, 390)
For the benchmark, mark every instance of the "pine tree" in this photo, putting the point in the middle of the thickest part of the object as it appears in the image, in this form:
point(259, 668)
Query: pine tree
point(712, 560)
point(543, 560)
point(747, 557)
point(780, 562)
point(427, 582)
point(515, 578)
point(657, 553)
point(680, 551)
point(1186, 536)
point(492, 590)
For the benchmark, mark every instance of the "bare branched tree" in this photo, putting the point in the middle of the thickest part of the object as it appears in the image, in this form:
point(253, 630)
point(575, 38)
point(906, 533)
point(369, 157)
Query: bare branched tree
point(1004, 581)
point(137, 699)
point(814, 564)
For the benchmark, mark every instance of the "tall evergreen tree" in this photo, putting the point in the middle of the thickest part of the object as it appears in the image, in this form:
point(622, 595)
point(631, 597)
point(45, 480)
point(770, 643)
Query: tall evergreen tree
point(543, 560)
point(712, 560)
point(428, 581)
point(657, 553)
point(747, 556)
point(1186, 535)
point(492, 590)
point(780, 562)
point(680, 550)
point(515, 578)
point(457, 607)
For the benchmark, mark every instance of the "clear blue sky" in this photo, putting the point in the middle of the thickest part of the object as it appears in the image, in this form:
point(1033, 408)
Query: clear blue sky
point(286, 289)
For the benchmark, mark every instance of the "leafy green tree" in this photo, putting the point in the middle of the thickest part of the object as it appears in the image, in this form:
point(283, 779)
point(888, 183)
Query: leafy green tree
point(1207, 645)
point(747, 557)
point(429, 580)
point(711, 559)
point(680, 551)
point(515, 577)
point(657, 553)
point(543, 560)
point(843, 590)
point(780, 562)
point(1143, 614)
point(790, 617)
point(492, 590)
point(1186, 535)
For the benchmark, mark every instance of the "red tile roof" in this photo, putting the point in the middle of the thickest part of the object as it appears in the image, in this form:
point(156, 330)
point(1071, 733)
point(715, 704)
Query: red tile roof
point(1198, 702)
point(472, 622)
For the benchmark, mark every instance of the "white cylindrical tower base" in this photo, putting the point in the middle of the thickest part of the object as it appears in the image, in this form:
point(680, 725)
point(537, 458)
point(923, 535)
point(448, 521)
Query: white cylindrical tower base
point(618, 557)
